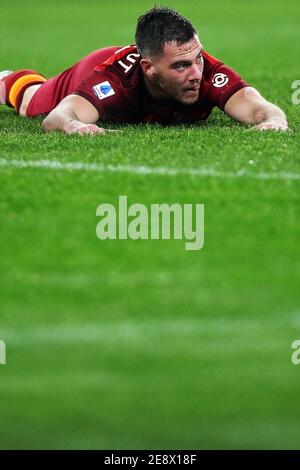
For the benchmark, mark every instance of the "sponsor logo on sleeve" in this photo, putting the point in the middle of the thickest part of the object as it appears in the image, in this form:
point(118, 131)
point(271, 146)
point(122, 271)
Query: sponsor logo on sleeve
point(103, 90)
point(220, 80)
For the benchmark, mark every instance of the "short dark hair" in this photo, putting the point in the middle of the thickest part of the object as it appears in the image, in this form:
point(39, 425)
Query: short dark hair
point(161, 25)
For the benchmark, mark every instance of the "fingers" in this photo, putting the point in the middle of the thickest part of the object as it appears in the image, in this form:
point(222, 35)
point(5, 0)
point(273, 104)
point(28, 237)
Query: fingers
point(90, 129)
point(271, 125)
point(96, 130)
point(85, 129)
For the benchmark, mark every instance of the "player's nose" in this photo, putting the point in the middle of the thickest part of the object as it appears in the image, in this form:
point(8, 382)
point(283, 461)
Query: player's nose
point(196, 72)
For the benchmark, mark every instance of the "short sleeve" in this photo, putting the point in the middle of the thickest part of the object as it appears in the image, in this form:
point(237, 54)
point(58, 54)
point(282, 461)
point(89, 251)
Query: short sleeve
point(224, 82)
point(105, 92)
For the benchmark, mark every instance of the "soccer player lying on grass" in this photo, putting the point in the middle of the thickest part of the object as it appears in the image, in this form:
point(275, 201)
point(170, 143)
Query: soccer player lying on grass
point(166, 78)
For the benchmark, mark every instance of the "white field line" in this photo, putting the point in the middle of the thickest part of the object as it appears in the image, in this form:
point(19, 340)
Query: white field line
point(131, 331)
point(146, 170)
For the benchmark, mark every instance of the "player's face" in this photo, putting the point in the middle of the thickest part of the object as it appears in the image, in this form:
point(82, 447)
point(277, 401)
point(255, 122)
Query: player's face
point(178, 72)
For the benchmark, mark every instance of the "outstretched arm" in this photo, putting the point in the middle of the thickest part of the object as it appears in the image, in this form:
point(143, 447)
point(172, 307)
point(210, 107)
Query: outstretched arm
point(73, 115)
point(248, 106)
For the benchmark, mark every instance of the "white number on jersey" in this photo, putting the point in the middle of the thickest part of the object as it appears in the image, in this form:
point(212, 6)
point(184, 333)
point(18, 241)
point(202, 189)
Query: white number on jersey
point(131, 58)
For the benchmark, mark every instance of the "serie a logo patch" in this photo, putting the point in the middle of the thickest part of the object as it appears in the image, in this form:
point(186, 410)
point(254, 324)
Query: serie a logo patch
point(103, 90)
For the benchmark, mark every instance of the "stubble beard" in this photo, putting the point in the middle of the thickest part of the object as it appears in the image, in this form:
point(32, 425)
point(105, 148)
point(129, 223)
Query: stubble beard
point(163, 88)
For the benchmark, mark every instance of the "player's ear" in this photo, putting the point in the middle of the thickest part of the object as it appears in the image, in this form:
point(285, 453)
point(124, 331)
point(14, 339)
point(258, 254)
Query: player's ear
point(147, 67)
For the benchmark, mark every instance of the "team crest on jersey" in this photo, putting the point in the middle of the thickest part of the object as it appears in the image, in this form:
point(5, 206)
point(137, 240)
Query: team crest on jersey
point(103, 90)
point(220, 80)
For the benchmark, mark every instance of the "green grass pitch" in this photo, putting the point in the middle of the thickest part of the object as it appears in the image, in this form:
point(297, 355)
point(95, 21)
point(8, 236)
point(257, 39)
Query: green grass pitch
point(141, 344)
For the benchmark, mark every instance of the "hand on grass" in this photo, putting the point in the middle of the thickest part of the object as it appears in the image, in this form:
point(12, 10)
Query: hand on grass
point(77, 127)
point(271, 124)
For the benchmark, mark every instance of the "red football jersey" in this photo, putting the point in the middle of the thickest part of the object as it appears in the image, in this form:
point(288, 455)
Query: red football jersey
point(112, 80)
